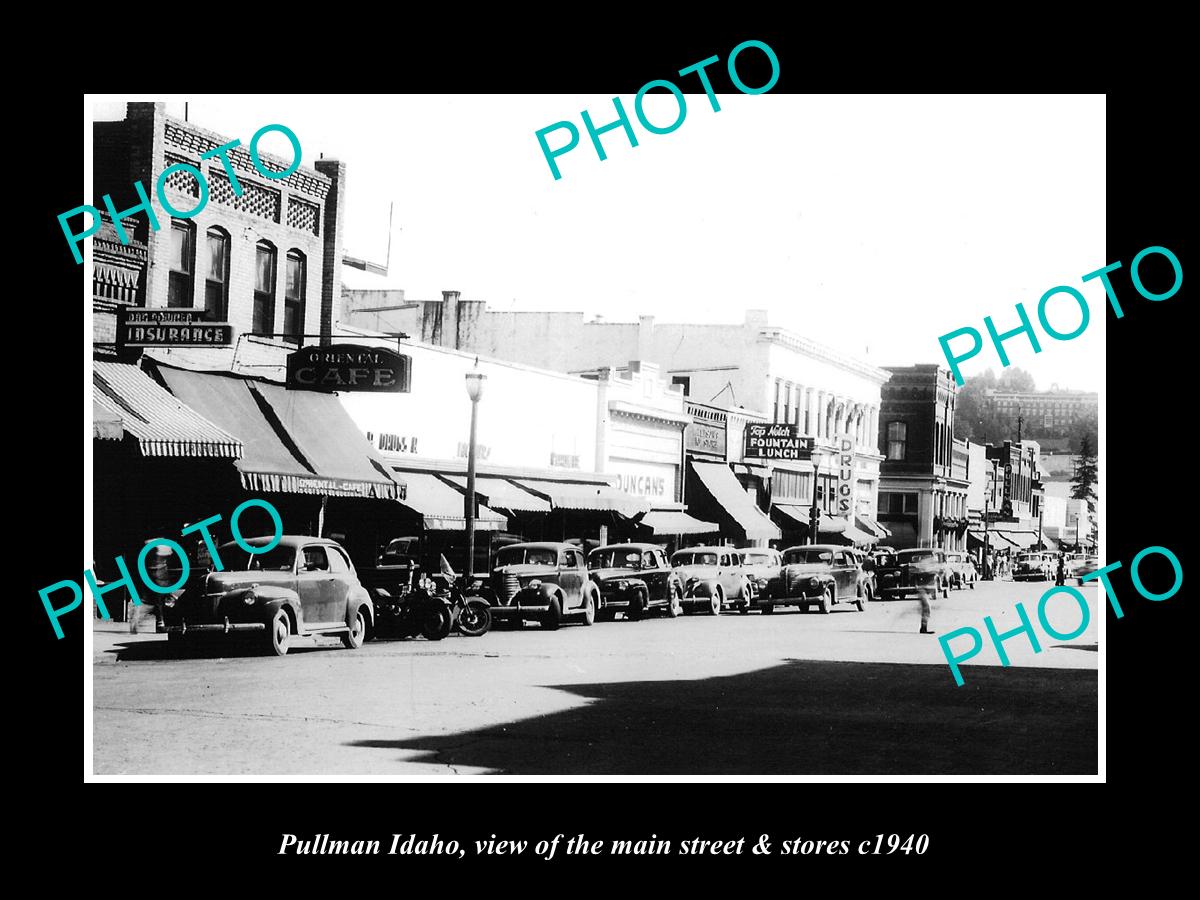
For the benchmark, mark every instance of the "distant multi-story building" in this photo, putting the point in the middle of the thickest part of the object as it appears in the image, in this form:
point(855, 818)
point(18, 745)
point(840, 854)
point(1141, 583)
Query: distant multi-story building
point(924, 474)
point(1049, 411)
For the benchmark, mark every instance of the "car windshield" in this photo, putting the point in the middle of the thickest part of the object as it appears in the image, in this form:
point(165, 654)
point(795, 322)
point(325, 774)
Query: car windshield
point(694, 559)
point(1029, 557)
point(758, 559)
point(615, 558)
point(914, 556)
point(277, 559)
point(953, 557)
point(807, 556)
point(527, 556)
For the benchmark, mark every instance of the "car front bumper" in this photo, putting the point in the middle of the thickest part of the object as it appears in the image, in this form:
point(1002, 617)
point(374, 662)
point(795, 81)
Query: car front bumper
point(226, 627)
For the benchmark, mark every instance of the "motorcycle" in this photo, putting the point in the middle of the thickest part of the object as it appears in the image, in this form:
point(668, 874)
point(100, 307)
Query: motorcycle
point(472, 615)
point(410, 610)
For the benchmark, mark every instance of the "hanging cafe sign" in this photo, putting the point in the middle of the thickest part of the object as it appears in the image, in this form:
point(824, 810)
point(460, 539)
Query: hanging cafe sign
point(348, 367)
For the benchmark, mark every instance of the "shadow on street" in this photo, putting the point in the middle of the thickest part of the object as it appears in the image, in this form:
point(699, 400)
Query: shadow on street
point(801, 717)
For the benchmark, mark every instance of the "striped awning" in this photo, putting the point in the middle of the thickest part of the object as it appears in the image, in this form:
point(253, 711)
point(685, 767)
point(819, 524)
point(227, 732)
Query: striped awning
point(161, 423)
point(739, 513)
point(670, 521)
point(1022, 539)
point(866, 523)
point(589, 496)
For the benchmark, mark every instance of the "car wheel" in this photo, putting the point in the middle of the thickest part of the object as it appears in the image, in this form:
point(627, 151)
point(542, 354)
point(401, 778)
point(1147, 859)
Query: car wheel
point(553, 617)
point(353, 639)
point(637, 607)
point(972, 583)
point(675, 604)
point(946, 589)
point(861, 600)
point(827, 601)
point(768, 608)
point(589, 609)
point(279, 633)
point(716, 602)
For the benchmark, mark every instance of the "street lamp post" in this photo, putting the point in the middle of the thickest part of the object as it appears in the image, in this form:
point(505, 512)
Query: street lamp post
point(814, 513)
point(474, 391)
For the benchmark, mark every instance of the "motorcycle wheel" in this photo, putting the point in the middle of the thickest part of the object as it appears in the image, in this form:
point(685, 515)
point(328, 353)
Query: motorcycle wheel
point(475, 618)
point(436, 623)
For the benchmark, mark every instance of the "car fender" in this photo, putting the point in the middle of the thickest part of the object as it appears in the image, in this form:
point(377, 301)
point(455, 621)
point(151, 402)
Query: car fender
point(360, 598)
point(703, 588)
point(539, 596)
point(270, 598)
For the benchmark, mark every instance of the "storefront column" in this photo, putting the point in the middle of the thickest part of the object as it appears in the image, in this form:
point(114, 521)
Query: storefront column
point(819, 423)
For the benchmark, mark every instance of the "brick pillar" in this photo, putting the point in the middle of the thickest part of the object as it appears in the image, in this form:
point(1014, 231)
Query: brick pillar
point(333, 241)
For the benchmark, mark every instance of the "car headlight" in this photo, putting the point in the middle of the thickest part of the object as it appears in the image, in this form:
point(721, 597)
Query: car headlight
point(535, 583)
point(621, 585)
point(761, 582)
point(813, 582)
point(250, 598)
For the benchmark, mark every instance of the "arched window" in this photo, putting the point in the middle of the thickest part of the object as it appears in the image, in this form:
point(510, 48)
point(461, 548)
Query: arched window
point(293, 298)
point(216, 275)
point(897, 438)
point(181, 263)
point(264, 289)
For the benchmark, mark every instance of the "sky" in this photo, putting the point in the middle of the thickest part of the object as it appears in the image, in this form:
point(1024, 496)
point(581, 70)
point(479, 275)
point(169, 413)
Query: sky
point(873, 224)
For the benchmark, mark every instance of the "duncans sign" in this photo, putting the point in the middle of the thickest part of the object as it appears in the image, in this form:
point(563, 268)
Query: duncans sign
point(778, 441)
point(348, 367)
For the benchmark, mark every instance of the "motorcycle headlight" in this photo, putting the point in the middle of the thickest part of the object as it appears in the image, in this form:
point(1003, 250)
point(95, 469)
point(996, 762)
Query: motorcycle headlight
point(170, 601)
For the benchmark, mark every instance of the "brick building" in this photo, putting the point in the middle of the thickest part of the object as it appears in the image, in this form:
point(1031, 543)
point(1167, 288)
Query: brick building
point(1045, 412)
point(924, 474)
point(267, 261)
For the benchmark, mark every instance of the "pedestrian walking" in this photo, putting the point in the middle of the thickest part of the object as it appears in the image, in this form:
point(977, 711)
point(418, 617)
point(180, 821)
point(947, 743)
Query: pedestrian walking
point(924, 593)
point(1061, 575)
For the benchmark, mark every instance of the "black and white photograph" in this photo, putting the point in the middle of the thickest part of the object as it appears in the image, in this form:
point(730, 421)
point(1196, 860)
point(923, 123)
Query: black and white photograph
point(697, 433)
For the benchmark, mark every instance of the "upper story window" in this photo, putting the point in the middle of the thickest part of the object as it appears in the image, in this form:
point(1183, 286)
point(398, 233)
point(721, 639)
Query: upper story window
point(181, 254)
point(897, 438)
point(264, 289)
point(293, 298)
point(216, 278)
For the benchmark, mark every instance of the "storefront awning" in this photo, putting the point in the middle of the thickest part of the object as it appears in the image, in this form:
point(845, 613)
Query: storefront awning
point(595, 497)
point(858, 536)
point(996, 540)
point(669, 521)
point(162, 425)
point(1022, 539)
point(740, 512)
point(441, 506)
point(866, 523)
point(500, 493)
point(299, 442)
point(105, 425)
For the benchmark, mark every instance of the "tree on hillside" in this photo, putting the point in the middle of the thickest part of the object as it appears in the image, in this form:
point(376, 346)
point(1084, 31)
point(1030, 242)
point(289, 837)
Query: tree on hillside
point(1016, 379)
point(1084, 479)
point(975, 418)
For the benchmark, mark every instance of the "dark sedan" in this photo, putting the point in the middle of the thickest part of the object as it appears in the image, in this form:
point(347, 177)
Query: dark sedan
point(634, 579)
point(300, 586)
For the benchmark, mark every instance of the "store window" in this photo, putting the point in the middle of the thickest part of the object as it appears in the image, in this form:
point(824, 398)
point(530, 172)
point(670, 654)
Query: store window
point(264, 289)
point(293, 298)
point(897, 439)
point(181, 253)
point(216, 278)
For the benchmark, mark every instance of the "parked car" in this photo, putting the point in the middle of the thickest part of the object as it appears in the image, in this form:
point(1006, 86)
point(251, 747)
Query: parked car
point(882, 551)
point(1032, 566)
point(910, 571)
point(962, 570)
point(634, 579)
point(1086, 566)
point(712, 578)
point(301, 586)
point(821, 575)
point(544, 581)
point(867, 585)
point(764, 567)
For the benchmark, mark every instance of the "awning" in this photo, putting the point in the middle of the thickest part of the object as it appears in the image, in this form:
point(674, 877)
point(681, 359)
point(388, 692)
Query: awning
point(441, 506)
point(739, 512)
point(858, 536)
point(500, 493)
point(105, 425)
point(299, 442)
point(1022, 539)
point(866, 523)
point(996, 540)
point(162, 425)
point(595, 497)
point(668, 521)
point(793, 514)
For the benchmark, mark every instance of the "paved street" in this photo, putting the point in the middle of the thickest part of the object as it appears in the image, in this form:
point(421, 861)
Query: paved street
point(788, 694)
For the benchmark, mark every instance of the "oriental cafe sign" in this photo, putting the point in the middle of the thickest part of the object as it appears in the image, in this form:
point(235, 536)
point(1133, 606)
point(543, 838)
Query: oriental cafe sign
point(348, 367)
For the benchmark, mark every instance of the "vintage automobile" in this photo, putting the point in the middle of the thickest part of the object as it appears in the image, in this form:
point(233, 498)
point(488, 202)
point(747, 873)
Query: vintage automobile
point(866, 573)
point(1085, 566)
point(1032, 566)
point(820, 575)
point(301, 586)
point(634, 579)
point(712, 578)
point(962, 570)
point(912, 571)
point(543, 581)
point(764, 567)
